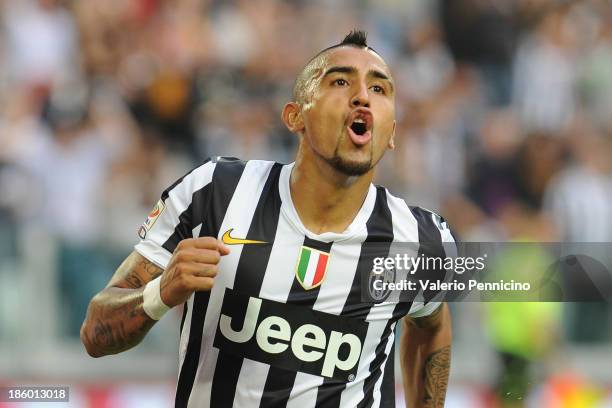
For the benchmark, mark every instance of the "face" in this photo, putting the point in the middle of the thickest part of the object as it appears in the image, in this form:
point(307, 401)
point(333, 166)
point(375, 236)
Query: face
point(348, 118)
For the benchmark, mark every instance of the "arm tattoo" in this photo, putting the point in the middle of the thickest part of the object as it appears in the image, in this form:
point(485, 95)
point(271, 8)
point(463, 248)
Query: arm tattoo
point(435, 377)
point(116, 320)
point(119, 325)
point(143, 272)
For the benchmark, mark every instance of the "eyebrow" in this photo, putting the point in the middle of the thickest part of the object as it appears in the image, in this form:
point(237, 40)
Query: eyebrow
point(380, 75)
point(345, 70)
point(352, 70)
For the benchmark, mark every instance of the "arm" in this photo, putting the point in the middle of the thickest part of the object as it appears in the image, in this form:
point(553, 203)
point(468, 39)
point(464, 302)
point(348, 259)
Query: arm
point(116, 320)
point(425, 351)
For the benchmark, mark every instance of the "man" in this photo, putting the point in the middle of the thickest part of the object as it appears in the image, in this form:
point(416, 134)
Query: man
point(268, 260)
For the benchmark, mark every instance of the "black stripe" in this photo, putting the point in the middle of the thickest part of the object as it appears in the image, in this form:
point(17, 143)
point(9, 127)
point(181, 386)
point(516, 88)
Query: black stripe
point(380, 234)
point(279, 382)
point(430, 240)
point(376, 365)
point(184, 228)
point(192, 355)
point(166, 192)
point(249, 278)
point(387, 388)
point(185, 309)
point(298, 295)
point(430, 245)
point(212, 211)
point(318, 245)
point(277, 389)
point(198, 209)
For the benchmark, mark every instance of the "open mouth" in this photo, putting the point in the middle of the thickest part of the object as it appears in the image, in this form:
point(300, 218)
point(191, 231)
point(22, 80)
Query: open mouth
point(359, 127)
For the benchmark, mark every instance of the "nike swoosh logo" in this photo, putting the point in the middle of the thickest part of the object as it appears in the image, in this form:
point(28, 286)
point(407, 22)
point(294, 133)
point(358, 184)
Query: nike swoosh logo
point(229, 240)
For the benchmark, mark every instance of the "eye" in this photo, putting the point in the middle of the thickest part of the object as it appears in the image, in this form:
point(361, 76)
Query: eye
point(340, 82)
point(378, 89)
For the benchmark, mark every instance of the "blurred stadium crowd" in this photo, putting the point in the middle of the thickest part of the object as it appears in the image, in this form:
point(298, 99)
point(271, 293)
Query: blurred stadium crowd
point(504, 124)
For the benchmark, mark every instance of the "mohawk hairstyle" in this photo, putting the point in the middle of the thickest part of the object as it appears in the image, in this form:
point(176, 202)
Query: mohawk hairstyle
point(356, 38)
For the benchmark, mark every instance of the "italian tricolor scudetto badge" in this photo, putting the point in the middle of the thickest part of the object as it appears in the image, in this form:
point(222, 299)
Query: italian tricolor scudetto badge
point(311, 267)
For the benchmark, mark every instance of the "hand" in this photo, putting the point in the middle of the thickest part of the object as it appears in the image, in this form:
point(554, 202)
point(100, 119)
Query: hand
point(193, 267)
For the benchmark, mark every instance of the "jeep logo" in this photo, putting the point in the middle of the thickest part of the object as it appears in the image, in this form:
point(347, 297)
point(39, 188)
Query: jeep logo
point(290, 336)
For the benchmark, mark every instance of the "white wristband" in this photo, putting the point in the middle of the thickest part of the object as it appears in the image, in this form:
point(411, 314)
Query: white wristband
point(153, 304)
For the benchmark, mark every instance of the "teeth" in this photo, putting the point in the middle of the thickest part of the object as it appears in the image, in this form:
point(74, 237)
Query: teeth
point(359, 121)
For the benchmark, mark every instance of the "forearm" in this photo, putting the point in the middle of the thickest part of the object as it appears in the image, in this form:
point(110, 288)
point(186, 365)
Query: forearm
point(425, 358)
point(115, 322)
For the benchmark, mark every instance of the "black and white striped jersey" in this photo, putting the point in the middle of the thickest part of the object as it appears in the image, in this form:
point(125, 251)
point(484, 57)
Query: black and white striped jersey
point(284, 324)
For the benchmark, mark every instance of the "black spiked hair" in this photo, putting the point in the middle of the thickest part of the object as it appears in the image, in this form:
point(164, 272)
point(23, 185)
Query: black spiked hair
point(357, 38)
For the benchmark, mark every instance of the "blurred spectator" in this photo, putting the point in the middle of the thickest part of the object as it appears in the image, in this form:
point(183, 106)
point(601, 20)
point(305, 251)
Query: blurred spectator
point(41, 41)
point(578, 201)
point(545, 74)
point(578, 198)
point(426, 67)
point(483, 33)
point(492, 178)
point(595, 72)
point(71, 167)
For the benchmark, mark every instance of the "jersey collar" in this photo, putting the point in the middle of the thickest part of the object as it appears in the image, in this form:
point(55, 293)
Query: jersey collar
point(357, 225)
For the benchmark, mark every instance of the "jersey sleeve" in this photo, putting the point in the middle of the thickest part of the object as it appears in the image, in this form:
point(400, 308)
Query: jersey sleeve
point(174, 218)
point(436, 240)
point(426, 310)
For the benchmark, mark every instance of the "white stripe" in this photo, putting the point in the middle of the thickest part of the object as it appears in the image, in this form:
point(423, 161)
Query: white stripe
point(280, 271)
point(390, 341)
point(276, 285)
point(178, 200)
point(311, 268)
point(353, 394)
point(405, 233)
point(405, 226)
point(251, 382)
point(196, 231)
point(304, 391)
point(341, 269)
point(185, 332)
point(238, 216)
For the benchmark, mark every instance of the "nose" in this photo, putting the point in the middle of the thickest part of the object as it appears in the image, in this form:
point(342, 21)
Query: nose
point(361, 97)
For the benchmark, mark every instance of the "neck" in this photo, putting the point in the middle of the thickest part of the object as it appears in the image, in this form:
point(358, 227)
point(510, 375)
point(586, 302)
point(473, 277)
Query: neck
point(325, 199)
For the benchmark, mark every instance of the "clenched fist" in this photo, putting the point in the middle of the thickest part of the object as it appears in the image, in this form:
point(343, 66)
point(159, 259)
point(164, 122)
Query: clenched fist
point(193, 267)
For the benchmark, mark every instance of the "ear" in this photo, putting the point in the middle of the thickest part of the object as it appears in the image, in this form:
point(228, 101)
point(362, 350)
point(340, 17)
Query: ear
point(292, 117)
point(391, 144)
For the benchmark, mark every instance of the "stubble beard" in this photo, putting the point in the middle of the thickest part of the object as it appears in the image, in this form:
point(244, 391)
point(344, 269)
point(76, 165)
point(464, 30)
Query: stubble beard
point(347, 167)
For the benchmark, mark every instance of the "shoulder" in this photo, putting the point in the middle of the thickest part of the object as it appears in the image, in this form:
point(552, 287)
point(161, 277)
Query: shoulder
point(428, 225)
point(217, 171)
point(428, 219)
point(223, 164)
point(231, 166)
